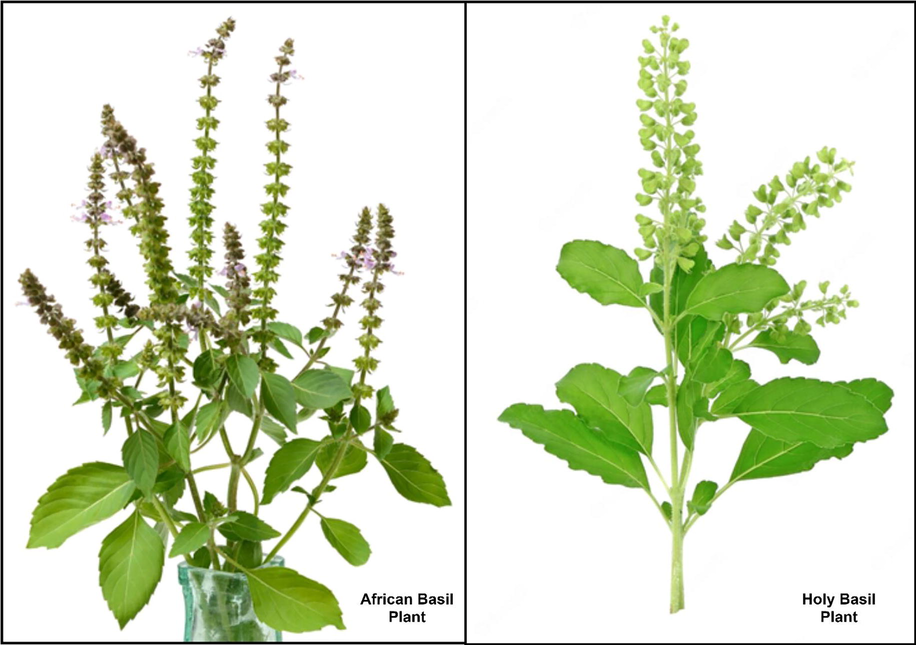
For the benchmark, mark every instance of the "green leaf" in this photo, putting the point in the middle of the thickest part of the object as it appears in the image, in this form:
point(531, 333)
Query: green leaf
point(800, 347)
point(238, 402)
point(607, 274)
point(208, 368)
point(278, 345)
point(566, 436)
point(414, 477)
point(247, 527)
point(178, 445)
point(593, 391)
point(682, 284)
point(130, 566)
point(342, 372)
point(732, 396)
point(286, 331)
point(384, 403)
point(279, 398)
point(192, 537)
point(289, 602)
point(82, 497)
point(360, 419)
point(696, 336)
point(289, 463)
point(382, 442)
point(317, 333)
point(878, 393)
point(735, 288)
point(141, 459)
point(737, 373)
point(714, 365)
point(763, 457)
point(689, 396)
point(633, 387)
point(667, 510)
point(702, 497)
point(125, 369)
point(273, 430)
point(347, 539)
point(657, 395)
point(170, 484)
point(250, 555)
point(209, 419)
point(201, 558)
point(106, 416)
point(243, 372)
point(354, 460)
point(320, 389)
point(799, 409)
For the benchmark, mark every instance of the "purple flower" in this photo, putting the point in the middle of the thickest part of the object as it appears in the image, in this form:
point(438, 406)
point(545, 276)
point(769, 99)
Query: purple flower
point(224, 271)
point(105, 217)
point(196, 52)
point(239, 269)
point(293, 74)
point(79, 218)
point(197, 304)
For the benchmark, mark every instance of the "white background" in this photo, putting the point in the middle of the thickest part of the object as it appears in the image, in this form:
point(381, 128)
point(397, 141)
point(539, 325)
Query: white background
point(555, 555)
point(378, 118)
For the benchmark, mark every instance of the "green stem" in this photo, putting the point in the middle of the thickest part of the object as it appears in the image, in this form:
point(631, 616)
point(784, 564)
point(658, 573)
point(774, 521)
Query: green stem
point(316, 494)
point(313, 357)
point(213, 467)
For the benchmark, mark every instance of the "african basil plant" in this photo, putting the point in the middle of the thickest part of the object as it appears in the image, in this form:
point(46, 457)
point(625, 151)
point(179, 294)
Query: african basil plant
point(199, 361)
point(705, 317)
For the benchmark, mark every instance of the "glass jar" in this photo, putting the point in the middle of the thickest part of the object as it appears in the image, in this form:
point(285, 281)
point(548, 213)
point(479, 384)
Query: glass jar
point(218, 607)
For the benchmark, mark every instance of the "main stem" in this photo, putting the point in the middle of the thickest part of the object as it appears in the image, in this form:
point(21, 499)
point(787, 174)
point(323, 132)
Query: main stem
point(677, 486)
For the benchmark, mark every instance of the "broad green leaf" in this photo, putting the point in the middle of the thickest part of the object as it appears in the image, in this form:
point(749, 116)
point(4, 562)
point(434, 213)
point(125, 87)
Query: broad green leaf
point(286, 331)
point(279, 398)
point(702, 497)
point(288, 464)
point(607, 274)
point(141, 459)
point(382, 442)
point(170, 484)
point(243, 372)
point(566, 436)
point(800, 347)
point(633, 386)
point(321, 389)
point(735, 288)
point(210, 417)
point(208, 368)
point(713, 365)
point(247, 527)
point(347, 539)
point(593, 391)
point(799, 409)
point(354, 460)
point(273, 430)
point(289, 602)
point(763, 457)
point(414, 477)
point(878, 393)
point(82, 497)
point(732, 396)
point(130, 566)
point(178, 445)
point(317, 333)
point(342, 372)
point(193, 536)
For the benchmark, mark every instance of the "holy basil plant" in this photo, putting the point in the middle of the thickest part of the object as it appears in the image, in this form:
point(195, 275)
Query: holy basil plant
point(173, 403)
point(705, 315)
